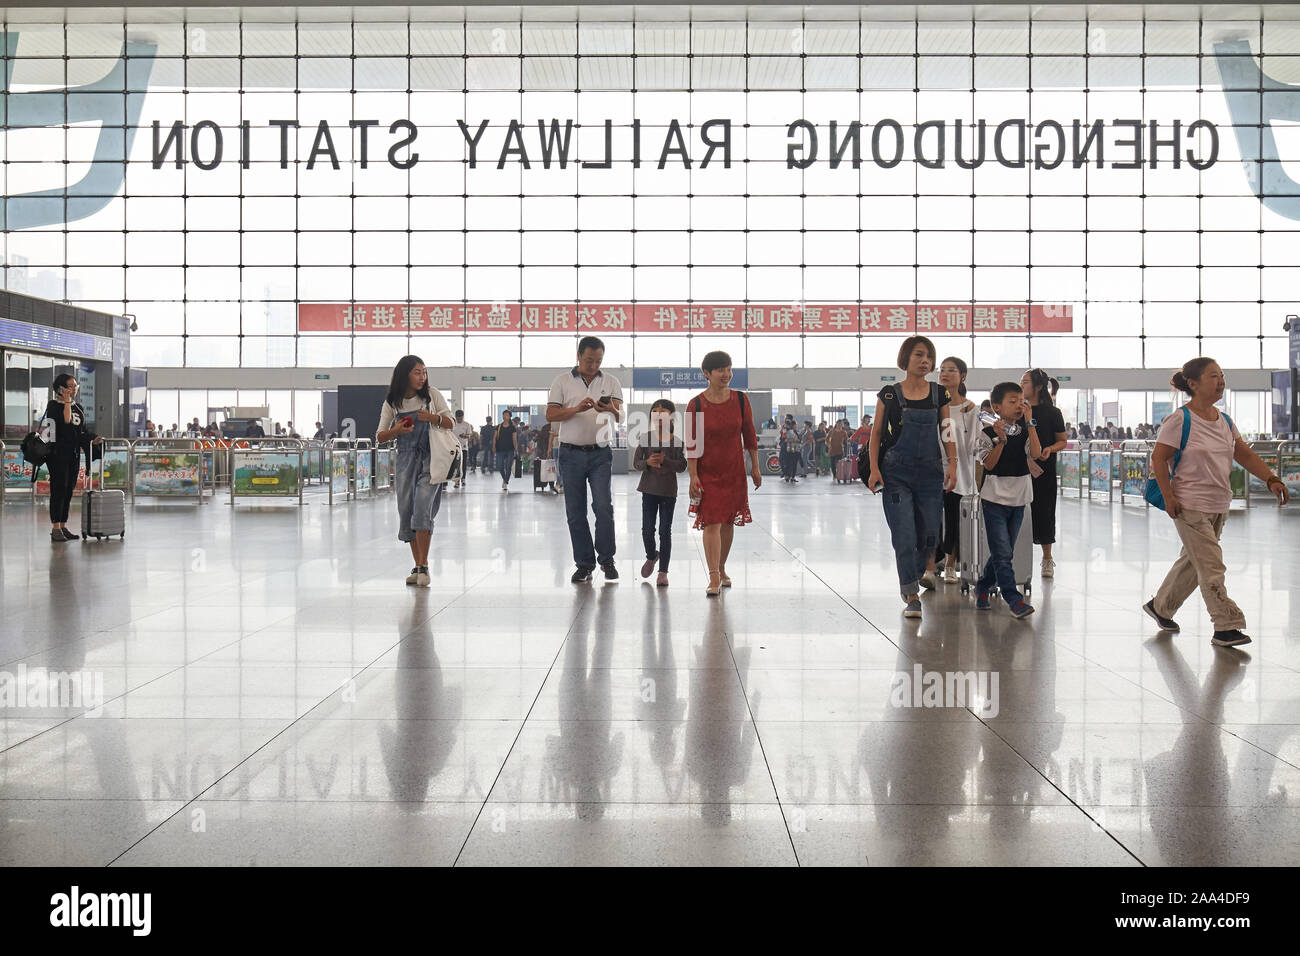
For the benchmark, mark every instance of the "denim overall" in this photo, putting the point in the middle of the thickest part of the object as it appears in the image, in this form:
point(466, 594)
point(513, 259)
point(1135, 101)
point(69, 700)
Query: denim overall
point(417, 500)
point(913, 494)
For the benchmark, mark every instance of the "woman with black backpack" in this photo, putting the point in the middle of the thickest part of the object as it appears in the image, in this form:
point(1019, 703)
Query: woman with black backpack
point(68, 441)
point(913, 462)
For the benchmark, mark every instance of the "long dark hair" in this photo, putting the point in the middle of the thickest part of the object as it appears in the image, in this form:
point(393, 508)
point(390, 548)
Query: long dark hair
point(401, 381)
point(961, 370)
point(1042, 383)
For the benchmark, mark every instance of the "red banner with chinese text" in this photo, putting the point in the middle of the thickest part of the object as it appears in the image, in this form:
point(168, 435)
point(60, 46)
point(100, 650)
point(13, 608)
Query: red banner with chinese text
point(677, 317)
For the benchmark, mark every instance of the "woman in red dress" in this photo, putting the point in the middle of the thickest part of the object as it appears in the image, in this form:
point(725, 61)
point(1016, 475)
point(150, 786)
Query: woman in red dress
point(722, 424)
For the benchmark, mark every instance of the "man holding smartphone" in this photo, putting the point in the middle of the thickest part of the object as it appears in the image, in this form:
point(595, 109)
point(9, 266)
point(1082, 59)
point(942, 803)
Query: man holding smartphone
point(587, 404)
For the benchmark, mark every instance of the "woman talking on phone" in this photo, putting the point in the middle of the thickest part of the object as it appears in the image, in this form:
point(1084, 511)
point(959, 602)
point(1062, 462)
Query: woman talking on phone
point(410, 409)
point(68, 441)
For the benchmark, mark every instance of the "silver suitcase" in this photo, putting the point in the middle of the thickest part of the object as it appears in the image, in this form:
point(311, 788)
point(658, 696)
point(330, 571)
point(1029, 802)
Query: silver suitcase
point(103, 512)
point(973, 546)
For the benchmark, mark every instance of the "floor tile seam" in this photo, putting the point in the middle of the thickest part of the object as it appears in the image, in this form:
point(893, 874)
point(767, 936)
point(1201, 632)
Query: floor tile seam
point(487, 795)
point(1070, 800)
point(758, 737)
point(1219, 725)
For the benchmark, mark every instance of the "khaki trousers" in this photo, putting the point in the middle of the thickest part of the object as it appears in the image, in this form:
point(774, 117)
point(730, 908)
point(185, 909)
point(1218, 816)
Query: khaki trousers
point(1200, 564)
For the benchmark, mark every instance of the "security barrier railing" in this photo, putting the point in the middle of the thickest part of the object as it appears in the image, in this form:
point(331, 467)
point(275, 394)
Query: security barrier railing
point(267, 468)
point(1100, 475)
point(167, 468)
point(1134, 465)
point(342, 451)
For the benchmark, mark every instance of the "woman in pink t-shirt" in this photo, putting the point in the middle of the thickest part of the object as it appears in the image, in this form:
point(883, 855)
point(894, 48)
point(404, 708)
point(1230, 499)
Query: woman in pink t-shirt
point(1197, 497)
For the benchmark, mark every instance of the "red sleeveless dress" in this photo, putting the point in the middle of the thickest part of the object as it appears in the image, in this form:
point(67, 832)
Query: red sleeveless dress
point(723, 467)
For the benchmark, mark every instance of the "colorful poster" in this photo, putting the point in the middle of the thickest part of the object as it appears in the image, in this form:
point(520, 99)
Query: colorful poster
point(116, 465)
point(18, 473)
point(383, 467)
point(1068, 469)
point(1237, 481)
point(339, 471)
point(1135, 475)
point(1099, 473)
point(167, 474)
point(312, 458)
point(1289, 472)
point(267, 473)
point(363, 470)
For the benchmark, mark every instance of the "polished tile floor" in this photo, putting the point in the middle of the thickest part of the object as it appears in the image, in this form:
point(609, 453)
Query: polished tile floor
point(273, 693)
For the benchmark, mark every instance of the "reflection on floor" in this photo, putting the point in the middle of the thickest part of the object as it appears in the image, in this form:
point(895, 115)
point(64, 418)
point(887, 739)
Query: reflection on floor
point(267, 689)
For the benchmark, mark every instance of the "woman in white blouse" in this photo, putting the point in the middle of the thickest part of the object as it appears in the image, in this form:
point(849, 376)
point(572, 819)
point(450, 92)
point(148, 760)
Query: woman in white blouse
point(965, 423)
point(411, 408)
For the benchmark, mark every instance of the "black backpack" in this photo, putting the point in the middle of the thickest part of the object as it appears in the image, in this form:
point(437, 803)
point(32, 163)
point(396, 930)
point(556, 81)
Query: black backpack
point(35, 450)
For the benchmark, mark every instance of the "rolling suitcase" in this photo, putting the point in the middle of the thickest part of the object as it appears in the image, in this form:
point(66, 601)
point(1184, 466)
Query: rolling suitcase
point(973, 546)
point(103, 512)
point(846, 470)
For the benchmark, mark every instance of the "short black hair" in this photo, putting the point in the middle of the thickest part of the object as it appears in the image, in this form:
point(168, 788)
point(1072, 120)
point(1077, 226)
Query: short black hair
point(1002, 389)
point(665, 404)
point(590, 342)
point(714, 361)
point(459, 413)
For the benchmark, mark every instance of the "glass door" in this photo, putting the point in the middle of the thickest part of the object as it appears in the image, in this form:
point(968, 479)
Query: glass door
point(17, 395)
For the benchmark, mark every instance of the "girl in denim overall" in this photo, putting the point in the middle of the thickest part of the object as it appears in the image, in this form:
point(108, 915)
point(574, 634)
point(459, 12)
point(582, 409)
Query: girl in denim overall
point(912, 474)
point(409, 411)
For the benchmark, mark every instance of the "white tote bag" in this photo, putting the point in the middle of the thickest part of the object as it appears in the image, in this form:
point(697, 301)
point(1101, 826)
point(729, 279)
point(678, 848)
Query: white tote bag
point(444, 455)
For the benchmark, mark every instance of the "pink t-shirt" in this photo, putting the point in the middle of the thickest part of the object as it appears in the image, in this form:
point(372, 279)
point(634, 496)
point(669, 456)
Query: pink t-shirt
point(1201, 481)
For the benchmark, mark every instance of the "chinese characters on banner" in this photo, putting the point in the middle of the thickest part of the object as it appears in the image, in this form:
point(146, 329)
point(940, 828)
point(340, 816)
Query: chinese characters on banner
point(717, 318)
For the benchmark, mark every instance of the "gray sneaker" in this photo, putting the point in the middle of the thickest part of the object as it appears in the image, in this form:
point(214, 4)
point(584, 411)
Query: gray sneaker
point(913, 609)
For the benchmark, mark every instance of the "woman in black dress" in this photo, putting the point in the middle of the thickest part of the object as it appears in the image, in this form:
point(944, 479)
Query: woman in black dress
point(1047, 419)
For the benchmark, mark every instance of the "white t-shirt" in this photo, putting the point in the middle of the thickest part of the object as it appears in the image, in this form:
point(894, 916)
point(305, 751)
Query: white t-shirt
point(1201, 480)
point(590, 427)
point(462, 430)
point(437, 406)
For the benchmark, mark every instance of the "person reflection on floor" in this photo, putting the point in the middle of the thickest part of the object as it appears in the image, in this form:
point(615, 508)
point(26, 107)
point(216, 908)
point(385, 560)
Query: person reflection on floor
point(718, 752)
point(581, 761)
point(658, 706)
point(416, 746)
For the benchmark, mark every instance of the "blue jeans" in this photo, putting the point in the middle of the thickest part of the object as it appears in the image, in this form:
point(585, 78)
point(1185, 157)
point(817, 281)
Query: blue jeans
point(505, 464)
point(1001, 526)
point(576, 468)
point(913, 503)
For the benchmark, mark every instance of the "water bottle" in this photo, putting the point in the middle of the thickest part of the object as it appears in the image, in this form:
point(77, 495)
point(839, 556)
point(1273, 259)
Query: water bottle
point(989, 418)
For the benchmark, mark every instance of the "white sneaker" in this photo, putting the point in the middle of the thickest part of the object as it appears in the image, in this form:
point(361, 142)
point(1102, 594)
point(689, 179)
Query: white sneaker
point(927, 580)
point(505, 488)
point(413, 577)
point(422, 579)
point(950, 576)
point(1049, 568)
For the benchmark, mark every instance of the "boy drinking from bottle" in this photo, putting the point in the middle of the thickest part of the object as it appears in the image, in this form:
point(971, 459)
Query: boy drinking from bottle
point(1005, 448)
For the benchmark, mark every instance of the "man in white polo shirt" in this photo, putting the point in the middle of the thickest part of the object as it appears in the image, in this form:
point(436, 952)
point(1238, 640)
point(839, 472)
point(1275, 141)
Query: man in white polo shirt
point(587, 403)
